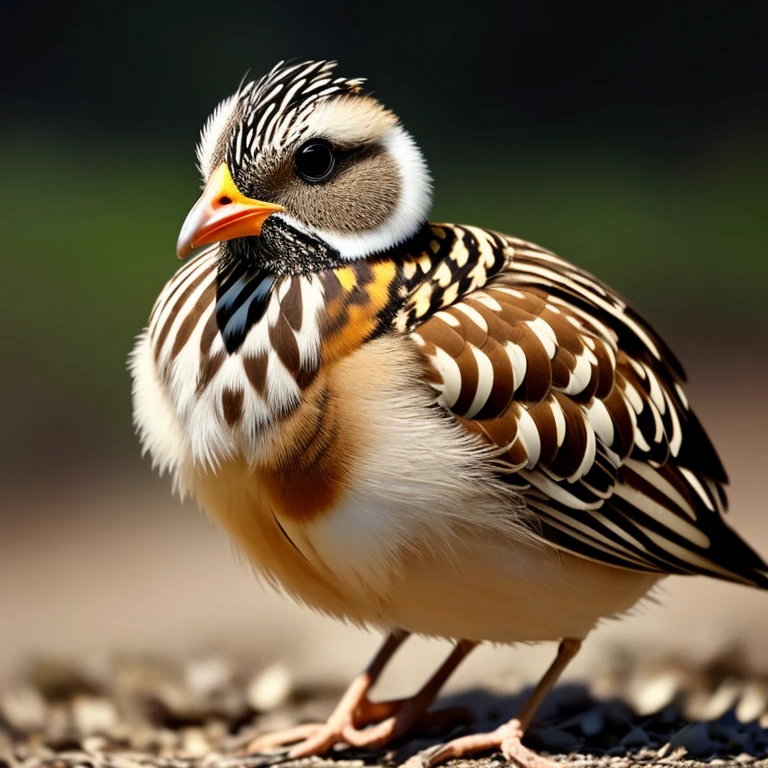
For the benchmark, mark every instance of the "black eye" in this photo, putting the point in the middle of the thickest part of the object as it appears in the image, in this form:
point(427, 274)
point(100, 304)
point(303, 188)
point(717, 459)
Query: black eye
point(315, 161)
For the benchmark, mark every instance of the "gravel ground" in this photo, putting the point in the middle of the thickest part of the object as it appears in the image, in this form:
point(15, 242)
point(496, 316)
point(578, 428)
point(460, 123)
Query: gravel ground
point(128, 712)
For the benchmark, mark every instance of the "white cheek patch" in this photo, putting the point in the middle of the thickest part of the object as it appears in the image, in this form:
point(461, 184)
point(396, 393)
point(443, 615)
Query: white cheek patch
point(408, 217)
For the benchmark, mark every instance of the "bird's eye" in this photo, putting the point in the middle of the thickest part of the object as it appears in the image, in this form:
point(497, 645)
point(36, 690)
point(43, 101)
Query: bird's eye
point(315, 161)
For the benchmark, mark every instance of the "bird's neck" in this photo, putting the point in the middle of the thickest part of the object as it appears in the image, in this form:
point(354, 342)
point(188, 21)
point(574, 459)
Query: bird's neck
point(250, 270)
point(397, 288)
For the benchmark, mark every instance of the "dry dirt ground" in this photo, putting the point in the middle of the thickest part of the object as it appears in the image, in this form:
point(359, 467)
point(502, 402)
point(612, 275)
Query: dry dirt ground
point(128, 712)
point(109, 581)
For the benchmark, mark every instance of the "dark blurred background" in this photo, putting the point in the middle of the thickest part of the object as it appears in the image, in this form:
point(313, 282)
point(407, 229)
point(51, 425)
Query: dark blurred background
point(630, 141)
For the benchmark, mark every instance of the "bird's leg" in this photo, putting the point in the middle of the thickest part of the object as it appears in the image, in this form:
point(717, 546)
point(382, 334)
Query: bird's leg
point(355, 711)
point(413, 710)
point(508, 737)
point(353, 708)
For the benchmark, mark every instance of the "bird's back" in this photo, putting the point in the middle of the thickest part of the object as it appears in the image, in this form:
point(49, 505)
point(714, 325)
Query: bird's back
point(584, 402)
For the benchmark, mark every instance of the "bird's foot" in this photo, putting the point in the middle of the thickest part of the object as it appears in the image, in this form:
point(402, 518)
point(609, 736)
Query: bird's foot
point(370, 725)
point(507, 738)
point(317, 738)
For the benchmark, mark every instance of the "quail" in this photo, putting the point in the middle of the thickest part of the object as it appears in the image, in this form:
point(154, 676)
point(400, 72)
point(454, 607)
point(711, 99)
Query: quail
point(417, 427)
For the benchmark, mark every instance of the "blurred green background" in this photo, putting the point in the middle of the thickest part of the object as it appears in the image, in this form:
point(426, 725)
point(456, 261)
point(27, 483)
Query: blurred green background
point(630, 141)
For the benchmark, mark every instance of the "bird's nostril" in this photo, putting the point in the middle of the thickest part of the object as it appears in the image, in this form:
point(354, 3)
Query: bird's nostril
point(225, 200)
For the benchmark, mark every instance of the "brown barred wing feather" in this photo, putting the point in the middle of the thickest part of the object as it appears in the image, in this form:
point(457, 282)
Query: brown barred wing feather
point(584, 403)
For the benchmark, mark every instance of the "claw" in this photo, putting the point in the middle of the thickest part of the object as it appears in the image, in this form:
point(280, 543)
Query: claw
point(270, 741)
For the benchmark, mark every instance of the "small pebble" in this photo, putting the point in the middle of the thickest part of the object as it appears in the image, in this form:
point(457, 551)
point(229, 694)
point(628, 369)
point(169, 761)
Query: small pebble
point(206, 676)
point(656, 693)
point(194, 743)
point(753, 703)
point(93, 715)
point(23, 707)
point(94, 744)
point(270, 689)
point(592, 722)
point(722, 700)
point(664, 750)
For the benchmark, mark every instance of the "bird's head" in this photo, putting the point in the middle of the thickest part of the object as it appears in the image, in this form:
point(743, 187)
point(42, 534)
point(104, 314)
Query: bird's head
point(302, 170)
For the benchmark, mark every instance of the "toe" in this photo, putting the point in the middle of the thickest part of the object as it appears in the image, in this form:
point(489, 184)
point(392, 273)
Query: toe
point(271, 741)
point(507, 738)
point(463, 747)
point(317, 744)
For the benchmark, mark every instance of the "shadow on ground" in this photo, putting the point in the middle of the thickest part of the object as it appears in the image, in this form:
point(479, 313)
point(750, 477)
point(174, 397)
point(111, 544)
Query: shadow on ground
point(573, 722)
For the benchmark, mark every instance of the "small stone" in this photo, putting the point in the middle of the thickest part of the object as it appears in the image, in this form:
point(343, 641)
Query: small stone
point(592, 722)
point(94, 744)
point(637, 737)
point(694, 738)
point(93, 715)
point(753, 703)
point(270, 689)
point(745, 759)
point(664, 750)
point(23, 707)
point(206, 676)
point(722, 700)
point(656, 693)
point(194, 743)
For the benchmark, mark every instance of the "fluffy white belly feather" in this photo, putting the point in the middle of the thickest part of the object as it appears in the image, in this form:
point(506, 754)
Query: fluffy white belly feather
point(472, 582)
point(425, 535)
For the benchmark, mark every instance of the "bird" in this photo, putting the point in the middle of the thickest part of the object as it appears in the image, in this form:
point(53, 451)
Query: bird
point(422, 428)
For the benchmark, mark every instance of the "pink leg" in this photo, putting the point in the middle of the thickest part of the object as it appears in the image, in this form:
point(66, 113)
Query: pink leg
point(508, 737)
point(355, 711)
point(354, 707)
point(414, 709)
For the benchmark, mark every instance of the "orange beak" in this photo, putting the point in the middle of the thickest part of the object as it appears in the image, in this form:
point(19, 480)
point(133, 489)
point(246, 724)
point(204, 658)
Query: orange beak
point(222, 213)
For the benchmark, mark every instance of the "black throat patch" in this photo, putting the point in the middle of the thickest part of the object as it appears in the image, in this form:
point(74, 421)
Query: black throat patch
point(242, 298)
point(282, 250)
point(250, 268)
